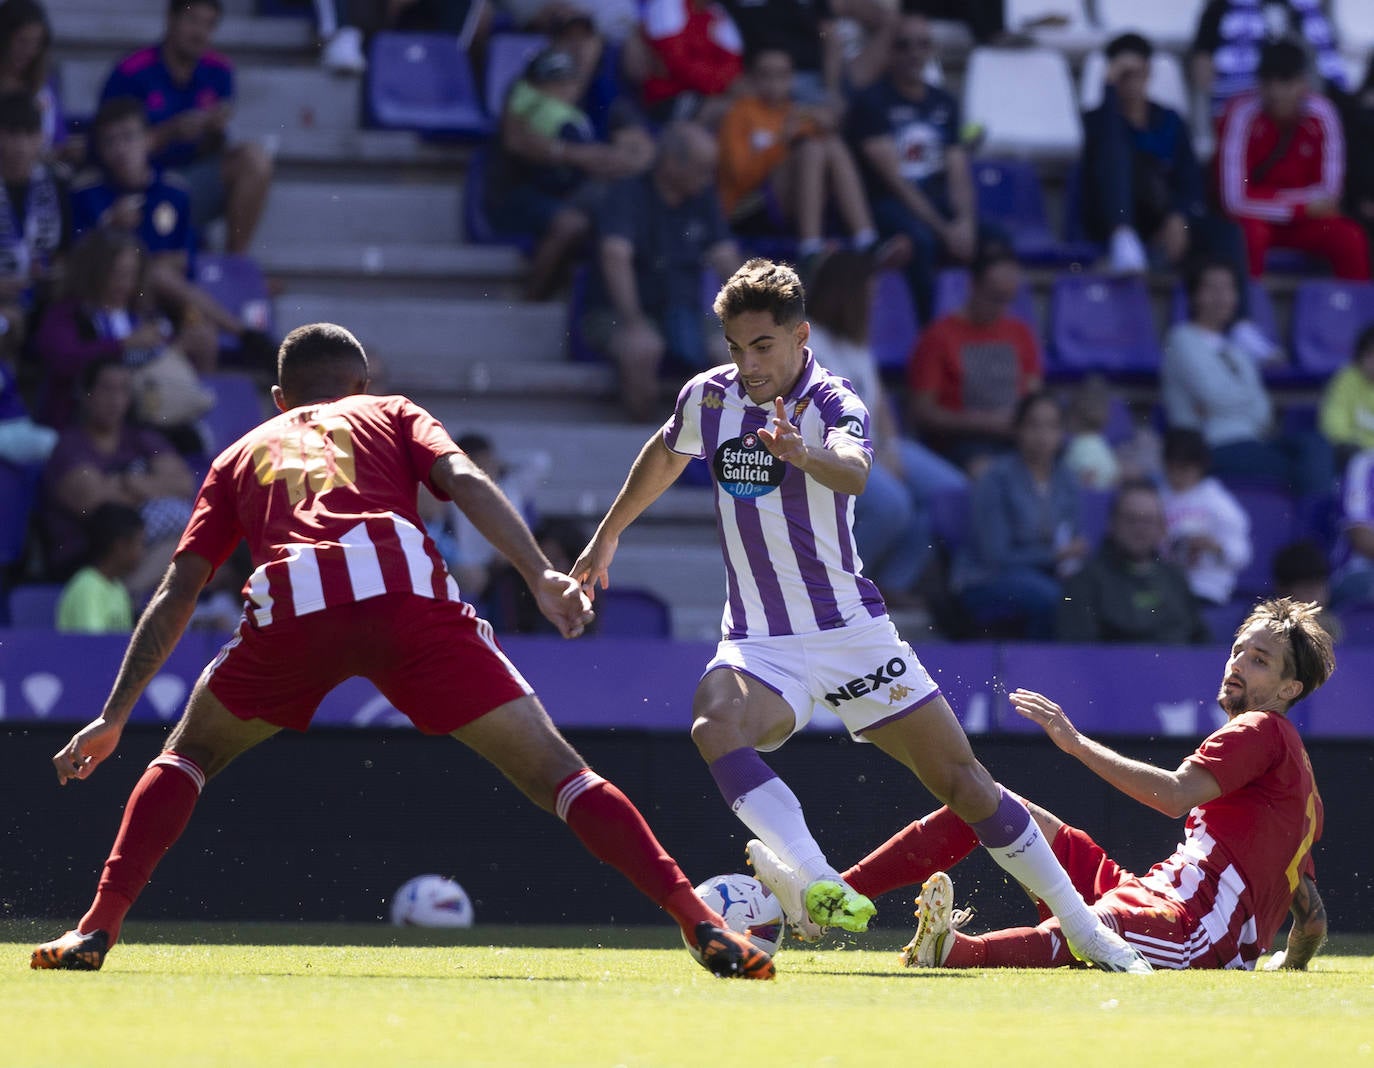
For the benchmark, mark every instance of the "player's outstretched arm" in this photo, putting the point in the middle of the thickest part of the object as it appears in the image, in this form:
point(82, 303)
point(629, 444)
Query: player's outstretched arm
point(655, 469)
point(156, 635)
point(1308, 933)
point(1170, 792)
point(842, 468)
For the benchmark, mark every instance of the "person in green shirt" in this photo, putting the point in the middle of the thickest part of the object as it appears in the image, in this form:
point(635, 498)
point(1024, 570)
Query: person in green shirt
point(95, 599)
point(1347, 411)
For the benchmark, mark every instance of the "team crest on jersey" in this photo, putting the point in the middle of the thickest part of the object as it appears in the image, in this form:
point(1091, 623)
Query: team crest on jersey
point(745, 468)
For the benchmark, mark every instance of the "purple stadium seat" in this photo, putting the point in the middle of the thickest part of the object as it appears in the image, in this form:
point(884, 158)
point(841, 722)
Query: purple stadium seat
point(949, 513)
point(35, 605)
point(1223, 619)
point(1328, 314)
point(951, 292)
point(1273, 524)
point(1102, 323)
point(1358, 621)
point(239, 407)
point(1010, 198)
point(18, 495)
point(507, 56)
point(632, 613)
point(892, 326)
point(424, 82)
point(237, 283)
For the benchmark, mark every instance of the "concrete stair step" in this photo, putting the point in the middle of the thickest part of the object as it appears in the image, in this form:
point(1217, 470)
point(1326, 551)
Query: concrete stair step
point(304, 215)
point(114, 30)
point(389, 260)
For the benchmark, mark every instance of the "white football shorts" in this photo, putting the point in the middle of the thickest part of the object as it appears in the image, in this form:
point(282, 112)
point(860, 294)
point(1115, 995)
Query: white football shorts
point(865, 674)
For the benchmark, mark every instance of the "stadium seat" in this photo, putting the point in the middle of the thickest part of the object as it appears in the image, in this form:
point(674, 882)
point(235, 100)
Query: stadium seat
point(424, 82)
point(1358, 623)
point(18, 495)
point(1328, 314)
point(507, 56)
point(892, 326)
point(1273, 524)
point(238, 284)
point(1102, 323)
point(1167, 87)
point(1223, 619)
point(949, 513)
point(239, 407)
point(951, 293)
point(632, 613)
point(1167, 24)
point(1040, 118)
point(1060, 24)
point(1354, 24)
point(1011, 199)
point(477, 226)
point(35, 605)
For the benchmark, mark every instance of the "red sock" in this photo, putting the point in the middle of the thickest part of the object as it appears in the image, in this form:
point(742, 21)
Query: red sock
point(154, 817)
point(1017, 947)
point(914, 854)
point(612, 829)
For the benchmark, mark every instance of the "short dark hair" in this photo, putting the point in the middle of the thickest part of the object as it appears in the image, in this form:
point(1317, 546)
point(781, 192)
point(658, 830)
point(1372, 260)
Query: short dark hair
point(319, 358)
point(1184, 445)
point(1133, 43)
point(91, 373)
point(837, 296)
point(108, 525)
point(118, 109)
point(1299, 561)
point(1282, 61)
point(762, 285)
point(19, 113)
point(1132, 485)
point(176, 7)
point(1309, 657)
point(991, 253)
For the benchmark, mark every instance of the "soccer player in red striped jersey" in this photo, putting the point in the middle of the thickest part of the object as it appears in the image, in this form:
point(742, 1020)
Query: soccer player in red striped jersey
point(1253, 814)
point(345, 583)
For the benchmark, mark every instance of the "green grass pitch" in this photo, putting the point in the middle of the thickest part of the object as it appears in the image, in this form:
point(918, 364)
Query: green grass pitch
point(337, 996)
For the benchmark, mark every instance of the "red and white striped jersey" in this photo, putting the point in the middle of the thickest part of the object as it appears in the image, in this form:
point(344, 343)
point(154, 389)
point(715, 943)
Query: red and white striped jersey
point(326, 496)
point(1242, 852)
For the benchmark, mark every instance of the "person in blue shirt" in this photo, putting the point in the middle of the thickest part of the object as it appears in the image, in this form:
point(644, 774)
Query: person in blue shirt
point(187, 92)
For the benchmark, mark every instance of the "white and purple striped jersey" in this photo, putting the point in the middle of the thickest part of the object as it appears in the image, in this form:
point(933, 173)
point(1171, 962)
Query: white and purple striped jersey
point(790, 560)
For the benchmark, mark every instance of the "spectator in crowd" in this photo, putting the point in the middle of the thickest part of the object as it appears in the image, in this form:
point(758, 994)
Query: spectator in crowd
point(35, 220)
point(691, 56)
point(864, 29)
point(1127, 592)
point(1302, 571)
point(782, 164)
point(103, 459)
point(1143, 189)
point(1208, 532)
point(1209, 383)
point(127, 192)
point(805, 30)
point(25, 45)
point(1352, 581)
point(1089, 453)
point(104, 313)
point(616, 21)
point(655, 234)
point(1357, 116)
point(892, 527)
point(1023, 535)
point(22, 441)
point(1230, 38)
point(905, 135)
point(187, 92)
point(1281, 169)
point(969, 369)
point(551, 170)
point(1347, 408)
point(95, 599)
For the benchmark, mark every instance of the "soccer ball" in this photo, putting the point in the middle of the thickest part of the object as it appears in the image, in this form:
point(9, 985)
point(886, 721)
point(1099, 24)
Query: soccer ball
point(748, 906)
point(431, 901)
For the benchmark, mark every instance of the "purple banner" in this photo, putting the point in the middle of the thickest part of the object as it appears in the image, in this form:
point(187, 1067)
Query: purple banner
point(647, 684)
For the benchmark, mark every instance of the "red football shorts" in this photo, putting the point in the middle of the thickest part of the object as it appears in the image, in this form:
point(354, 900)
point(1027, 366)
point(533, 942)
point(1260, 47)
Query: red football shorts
point(437, 662)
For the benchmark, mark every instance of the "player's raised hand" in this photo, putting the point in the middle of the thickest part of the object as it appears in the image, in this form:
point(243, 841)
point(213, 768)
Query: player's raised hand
point(1038, 708)
point(564, 604)
point(784, 441)
point(88, 747)
point(594, 564)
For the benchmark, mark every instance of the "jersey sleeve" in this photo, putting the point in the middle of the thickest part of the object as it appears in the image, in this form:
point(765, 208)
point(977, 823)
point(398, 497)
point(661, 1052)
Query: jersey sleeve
point(426, 442)
point(213, 531)
point(682, 432)
point(845, 417)
point(1241, 751)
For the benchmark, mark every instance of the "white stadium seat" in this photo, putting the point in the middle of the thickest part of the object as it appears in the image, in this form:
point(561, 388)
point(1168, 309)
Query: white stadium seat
point(1167, 85)
point(1071, 30)
point(1024, 98)
point(1168, 24)
point(1354, 23)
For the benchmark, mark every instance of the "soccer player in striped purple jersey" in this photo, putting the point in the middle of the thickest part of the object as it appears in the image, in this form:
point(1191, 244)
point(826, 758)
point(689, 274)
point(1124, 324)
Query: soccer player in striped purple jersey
point(788, 447)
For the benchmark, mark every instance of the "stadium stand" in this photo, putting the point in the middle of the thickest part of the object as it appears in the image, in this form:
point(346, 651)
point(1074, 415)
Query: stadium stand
point(1102, 323)
point(1040, 119)
point(424, 82)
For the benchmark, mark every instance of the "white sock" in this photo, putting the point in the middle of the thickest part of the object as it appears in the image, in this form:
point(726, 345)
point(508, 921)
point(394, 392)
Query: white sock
point(1032, 863)
point(771, 810)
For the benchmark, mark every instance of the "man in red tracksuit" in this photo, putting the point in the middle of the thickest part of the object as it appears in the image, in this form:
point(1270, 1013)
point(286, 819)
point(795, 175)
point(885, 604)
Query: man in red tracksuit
point(1281, 168)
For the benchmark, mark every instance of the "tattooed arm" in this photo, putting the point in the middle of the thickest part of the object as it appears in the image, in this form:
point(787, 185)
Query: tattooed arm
point(1308, 933)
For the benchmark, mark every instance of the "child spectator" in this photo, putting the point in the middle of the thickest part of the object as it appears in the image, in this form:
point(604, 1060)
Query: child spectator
point(1347, 408)
point(1089, 455)
point(187, 92)
point(1208, 532)
point(95, 599)
point(782, 164)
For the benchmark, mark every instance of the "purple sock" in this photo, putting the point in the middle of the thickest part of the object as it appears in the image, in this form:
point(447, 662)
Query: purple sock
point(1005, 825)
point(738, 772)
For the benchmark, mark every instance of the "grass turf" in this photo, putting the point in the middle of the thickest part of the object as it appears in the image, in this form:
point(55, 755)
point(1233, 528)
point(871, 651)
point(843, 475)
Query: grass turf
point(271, 994)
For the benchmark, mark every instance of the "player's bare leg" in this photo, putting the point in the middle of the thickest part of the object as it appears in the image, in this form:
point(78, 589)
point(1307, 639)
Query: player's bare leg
point(524, 745)
point(206, 738)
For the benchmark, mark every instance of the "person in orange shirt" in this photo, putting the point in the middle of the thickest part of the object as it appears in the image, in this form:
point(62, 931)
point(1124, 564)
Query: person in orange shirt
point(781, 162)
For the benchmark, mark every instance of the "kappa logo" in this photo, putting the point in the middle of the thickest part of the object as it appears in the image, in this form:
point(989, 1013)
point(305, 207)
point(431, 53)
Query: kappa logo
point(712, 400)
point(870, 683)
point(898, 692)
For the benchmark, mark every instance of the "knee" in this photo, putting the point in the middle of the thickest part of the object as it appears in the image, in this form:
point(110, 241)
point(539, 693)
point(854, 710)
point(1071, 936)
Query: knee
point(970, 791)
point(570, 225)
point(249, 162)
